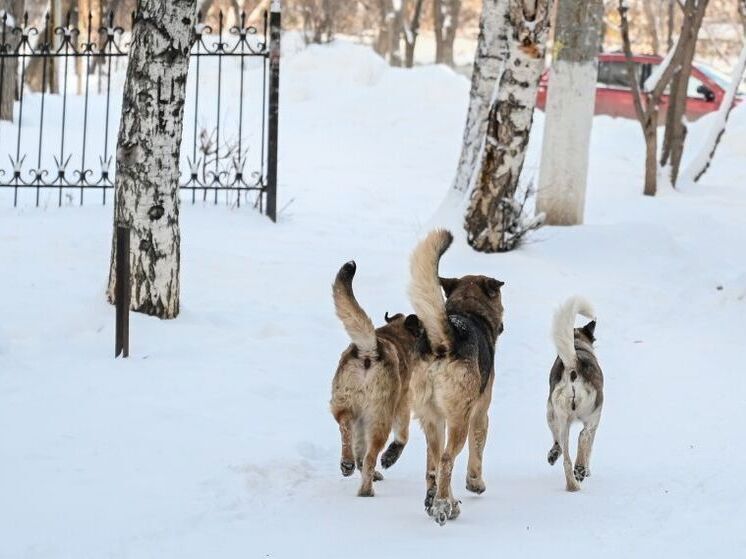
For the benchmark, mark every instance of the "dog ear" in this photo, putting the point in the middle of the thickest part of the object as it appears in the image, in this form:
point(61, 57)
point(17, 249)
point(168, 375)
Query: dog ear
point(492, 286)
point(590, 329)
point(387, 318)
point(448, 285)
point(413, 324)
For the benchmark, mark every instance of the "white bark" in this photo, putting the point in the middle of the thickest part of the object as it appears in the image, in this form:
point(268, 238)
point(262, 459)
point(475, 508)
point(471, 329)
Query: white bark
point(571, 99)
point(147, 178)
point(488, 63)
point(492, 223)
point(702, 160)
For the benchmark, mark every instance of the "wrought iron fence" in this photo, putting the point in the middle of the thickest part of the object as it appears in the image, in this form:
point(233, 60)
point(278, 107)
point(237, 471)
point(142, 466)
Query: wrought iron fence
point(232, 157)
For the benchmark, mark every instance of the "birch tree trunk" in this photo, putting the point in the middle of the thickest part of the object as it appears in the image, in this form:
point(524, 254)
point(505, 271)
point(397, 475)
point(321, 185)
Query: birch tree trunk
point(488, 63)
point(571, 99)
point(492, 220)
point(395, 23)
point(11, 12)
point(676, 130)
point(147, 178)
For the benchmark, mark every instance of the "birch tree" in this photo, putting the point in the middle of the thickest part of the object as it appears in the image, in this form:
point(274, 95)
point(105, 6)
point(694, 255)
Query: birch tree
point(488, 63)
point(147, 177)
point(494, 221)
point(571, 99)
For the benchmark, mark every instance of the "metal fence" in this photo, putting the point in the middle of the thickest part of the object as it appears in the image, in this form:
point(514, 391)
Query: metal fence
point(64, 142)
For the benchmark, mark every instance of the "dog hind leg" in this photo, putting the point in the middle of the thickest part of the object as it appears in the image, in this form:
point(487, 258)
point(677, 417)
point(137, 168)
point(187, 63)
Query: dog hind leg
point(347, 462)
point(556, 450)
point(376, 436)
point(564, 428)
point(401, 433)
point(434, 429)
point(445, 507)
point(585, 446)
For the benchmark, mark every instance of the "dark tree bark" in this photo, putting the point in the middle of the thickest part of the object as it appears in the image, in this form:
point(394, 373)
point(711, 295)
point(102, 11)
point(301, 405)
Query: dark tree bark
point(411, 32)
point(13, 12)
point(445, 19)
point(147, 178)
point(493, 219)
point(675, 134)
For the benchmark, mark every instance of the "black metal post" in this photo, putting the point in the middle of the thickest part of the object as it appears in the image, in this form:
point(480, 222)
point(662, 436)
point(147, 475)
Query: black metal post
point(122, 293)
point(274, 102)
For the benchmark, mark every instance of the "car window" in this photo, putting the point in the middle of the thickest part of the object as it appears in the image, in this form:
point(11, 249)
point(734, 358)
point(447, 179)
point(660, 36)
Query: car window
point(615, 75)
point(692, 86)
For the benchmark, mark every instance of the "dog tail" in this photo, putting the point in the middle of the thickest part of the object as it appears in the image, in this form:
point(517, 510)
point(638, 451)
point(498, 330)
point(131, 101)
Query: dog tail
point(425, 291)
point(563, 328)
point(358, 324)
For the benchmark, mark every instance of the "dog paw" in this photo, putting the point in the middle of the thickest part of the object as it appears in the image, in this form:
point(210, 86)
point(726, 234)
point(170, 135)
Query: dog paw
point(572, 485)
point(475, 485)
point(443, 510)
point(377, 476)
point(347, 467)
point(365, 492)
point(554, 453)
point(392, 454)
point(429, 498)
point(581, 472)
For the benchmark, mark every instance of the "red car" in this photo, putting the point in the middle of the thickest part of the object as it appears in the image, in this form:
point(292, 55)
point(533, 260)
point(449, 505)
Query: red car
point(614, 96)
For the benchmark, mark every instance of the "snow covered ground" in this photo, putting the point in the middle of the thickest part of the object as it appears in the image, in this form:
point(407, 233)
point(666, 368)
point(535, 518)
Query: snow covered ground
point(214, 438)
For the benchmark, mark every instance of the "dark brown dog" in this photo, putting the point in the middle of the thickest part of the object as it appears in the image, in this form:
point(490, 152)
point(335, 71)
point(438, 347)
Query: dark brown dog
point(370, 391)
point(452, 379)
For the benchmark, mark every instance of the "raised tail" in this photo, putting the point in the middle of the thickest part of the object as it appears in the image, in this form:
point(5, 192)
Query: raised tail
point(563, 328)
point(357, 323)
point(424, 289)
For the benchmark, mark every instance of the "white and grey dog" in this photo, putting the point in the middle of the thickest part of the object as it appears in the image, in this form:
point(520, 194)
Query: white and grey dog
point(575, 388)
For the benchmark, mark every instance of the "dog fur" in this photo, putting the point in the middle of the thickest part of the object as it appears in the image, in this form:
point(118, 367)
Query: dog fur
point(370, 390)
point(575, 389)
point(454, 373)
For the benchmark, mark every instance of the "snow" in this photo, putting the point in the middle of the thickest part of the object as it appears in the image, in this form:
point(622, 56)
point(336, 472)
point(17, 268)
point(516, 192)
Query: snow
point(214, 438)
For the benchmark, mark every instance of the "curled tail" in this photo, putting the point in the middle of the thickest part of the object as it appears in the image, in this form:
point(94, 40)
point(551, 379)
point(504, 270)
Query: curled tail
point(357, 323)
point(563, 328)
point(424, 289)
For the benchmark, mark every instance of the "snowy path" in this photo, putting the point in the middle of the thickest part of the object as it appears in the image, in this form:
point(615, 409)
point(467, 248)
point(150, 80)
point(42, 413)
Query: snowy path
point(214, 438)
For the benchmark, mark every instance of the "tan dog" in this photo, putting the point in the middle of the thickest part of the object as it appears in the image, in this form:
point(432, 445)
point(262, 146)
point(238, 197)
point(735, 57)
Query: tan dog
point(452, 380)
point(576, 389)
point(370, 391)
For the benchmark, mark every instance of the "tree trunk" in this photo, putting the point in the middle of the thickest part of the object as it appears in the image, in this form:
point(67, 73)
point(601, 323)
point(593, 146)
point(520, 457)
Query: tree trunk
point(675, 134)
point(571, 99)
point(382, 43)
point(491, 221)
point(652, 25)
point(650, 131)
point(41, 72)
point(147, 177)
point(701, 162)
point(394, 22)
point(411, 32)
point(12, 13)
point(488, 63)
point(445, 18)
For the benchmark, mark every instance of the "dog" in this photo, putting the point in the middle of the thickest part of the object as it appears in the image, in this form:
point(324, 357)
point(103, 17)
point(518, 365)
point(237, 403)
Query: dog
point(453, 377)
point(576, 389)
point(370, 390)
